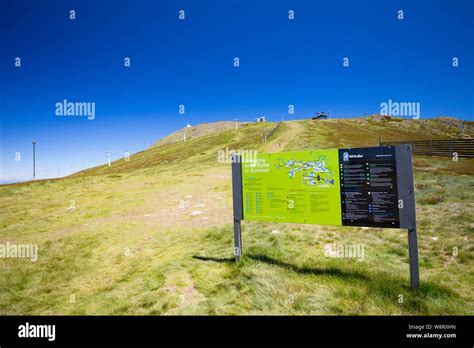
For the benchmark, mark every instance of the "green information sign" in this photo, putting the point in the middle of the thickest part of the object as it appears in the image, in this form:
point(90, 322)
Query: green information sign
point(299, 187)
point(370, 186)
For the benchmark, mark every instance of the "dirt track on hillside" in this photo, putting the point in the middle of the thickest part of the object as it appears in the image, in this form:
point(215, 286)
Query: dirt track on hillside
point(293, 128)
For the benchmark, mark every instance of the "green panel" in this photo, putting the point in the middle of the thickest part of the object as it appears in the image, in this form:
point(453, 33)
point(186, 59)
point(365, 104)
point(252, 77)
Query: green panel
point(301, 187)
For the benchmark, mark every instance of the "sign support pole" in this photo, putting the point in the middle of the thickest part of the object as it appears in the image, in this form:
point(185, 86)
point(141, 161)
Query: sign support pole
point(406, 194)
point(237, 240)
point(237, 204)
point(413, 254)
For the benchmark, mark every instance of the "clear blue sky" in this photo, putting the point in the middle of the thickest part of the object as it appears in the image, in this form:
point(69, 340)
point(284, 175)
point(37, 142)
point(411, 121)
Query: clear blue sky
point(190, 62)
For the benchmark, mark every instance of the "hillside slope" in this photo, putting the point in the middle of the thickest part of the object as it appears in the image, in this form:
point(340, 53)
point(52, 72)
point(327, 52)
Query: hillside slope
point(153, 235)
point(209, 138)
point(197, 131)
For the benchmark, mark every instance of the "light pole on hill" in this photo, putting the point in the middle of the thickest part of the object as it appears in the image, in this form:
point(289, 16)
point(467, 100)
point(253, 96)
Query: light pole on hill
point(34, 157)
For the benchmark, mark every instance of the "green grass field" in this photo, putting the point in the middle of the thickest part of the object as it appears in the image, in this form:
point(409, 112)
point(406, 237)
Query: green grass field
point(154, 235)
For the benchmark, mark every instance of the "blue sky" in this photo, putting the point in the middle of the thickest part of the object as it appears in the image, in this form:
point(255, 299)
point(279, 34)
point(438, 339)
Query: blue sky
point(190, 62)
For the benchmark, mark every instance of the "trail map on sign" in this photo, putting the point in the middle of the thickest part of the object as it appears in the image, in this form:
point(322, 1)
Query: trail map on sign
point(293, 187)
point(315, 173)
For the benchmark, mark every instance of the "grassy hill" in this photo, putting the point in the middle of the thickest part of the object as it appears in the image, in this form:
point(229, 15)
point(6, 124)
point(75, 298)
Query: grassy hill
point(153, 235)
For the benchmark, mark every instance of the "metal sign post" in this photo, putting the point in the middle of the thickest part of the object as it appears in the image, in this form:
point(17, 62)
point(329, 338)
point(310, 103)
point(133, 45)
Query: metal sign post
point(413, 254)
point(406, 196)
point(237, 203)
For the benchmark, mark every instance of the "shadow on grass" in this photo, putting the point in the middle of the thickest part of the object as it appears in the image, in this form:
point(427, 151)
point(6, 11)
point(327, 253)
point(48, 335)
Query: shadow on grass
point(380, 284)
point(309, 270)
point(215, 259)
